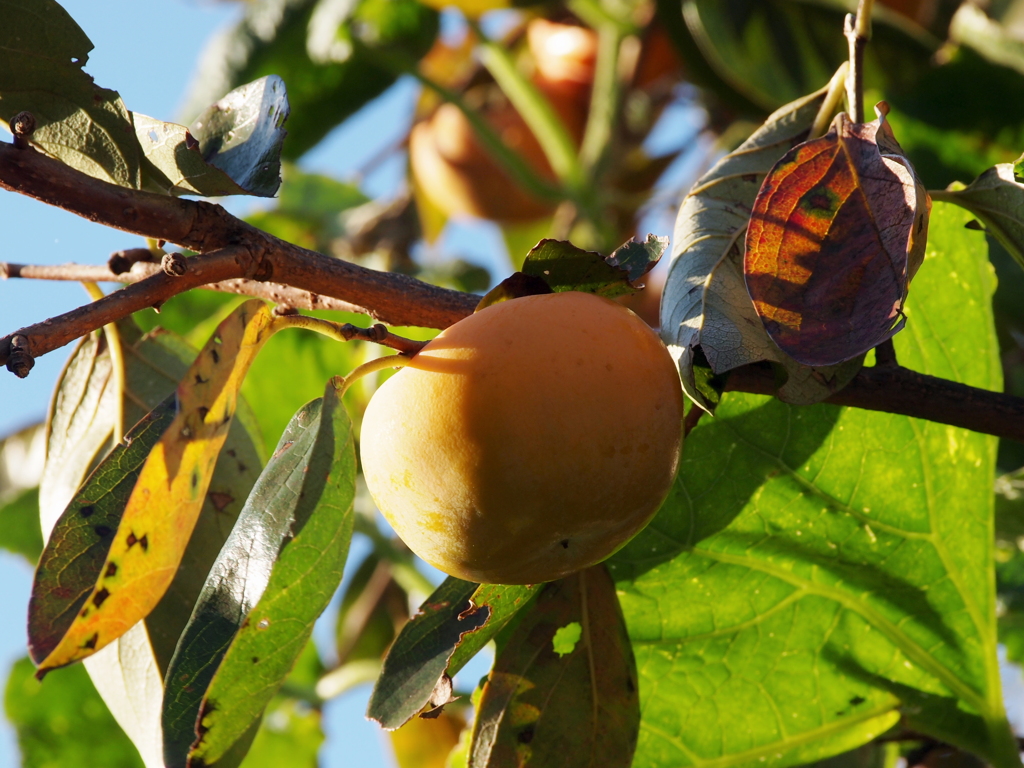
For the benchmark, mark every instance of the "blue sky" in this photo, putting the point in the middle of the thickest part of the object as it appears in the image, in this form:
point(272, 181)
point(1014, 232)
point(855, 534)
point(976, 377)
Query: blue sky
point(147, 50)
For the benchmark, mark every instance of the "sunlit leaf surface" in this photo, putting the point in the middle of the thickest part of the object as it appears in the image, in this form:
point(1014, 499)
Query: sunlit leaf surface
point(818, 573)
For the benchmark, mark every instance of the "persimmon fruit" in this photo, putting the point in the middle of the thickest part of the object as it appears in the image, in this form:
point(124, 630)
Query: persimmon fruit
point(527, 441)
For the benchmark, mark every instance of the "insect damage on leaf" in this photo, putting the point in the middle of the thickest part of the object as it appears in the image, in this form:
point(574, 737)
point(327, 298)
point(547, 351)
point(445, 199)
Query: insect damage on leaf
point(164, 505)
point(552, 266)
point(837, 231)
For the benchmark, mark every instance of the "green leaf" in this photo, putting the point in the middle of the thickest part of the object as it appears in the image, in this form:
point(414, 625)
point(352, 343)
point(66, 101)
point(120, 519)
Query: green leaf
point(81, 538)
point(504, 604)
point(42, 55)
point(274, 577)
point(996, 197)
point(324, 50)
point(558, 698)
point(777, 587)
point(452, 625)
point(564, 267)
point(63, 721)
point(242, 133)
point(706, 312)
point(309, 360)
point(420, 654)
point(129, 674)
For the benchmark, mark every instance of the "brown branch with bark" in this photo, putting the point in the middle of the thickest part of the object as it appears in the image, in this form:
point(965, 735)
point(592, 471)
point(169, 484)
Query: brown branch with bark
point(239, 258)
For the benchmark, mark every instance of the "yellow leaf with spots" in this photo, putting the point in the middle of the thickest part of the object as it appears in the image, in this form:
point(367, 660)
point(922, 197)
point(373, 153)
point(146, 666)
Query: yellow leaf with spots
point(168, 496)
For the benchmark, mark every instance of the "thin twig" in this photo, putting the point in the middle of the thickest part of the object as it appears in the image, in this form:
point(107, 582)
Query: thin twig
point(858, 33)
point(377, 333)
point(203, 227)
point(276, 292)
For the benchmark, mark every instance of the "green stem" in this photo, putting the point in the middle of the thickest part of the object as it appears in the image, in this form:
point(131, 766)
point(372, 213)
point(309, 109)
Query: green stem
point(831, 102)
point(535, 110)
point(377, 364)
point(604, 101)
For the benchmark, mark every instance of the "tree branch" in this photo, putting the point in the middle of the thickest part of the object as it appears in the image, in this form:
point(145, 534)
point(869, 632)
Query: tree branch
point(894, 389)
point(203, 227)
point(140, 270)
point(238, 257)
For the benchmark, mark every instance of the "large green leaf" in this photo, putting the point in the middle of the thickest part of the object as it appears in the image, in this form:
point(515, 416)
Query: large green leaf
point(64, 722)
point(42, 55)
point(326, 51)
point(818, 573)
point(273, 578)
point(129, 674)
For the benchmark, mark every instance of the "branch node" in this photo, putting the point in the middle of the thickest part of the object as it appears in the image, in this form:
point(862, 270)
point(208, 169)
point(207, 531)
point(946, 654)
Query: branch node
point(122, 261)
point(20, 360)
point(378, 332)
point(23, 125)
point(281, 310)
point(174, 264)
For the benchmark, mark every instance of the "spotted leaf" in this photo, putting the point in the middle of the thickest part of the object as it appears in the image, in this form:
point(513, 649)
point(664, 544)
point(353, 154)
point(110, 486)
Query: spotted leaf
point(164, 506)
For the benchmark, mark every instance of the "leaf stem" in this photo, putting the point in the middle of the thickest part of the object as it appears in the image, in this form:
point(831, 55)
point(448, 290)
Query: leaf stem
point(831, 102)
point(377, 333)
point(857, 30)
point(116, 363)
point(604, 100)
point(372, 366)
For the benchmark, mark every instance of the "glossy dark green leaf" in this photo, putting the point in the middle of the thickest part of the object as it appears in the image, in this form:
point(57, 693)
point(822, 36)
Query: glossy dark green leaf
point(242, 133)
point(274, 577)
point(504, 603)
point(42, 55)
point(818, 573)
point(457, 613)
point(63, 721)
point(563, 691)
point(129, 675)
point(324, 50)
point(421, 652)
